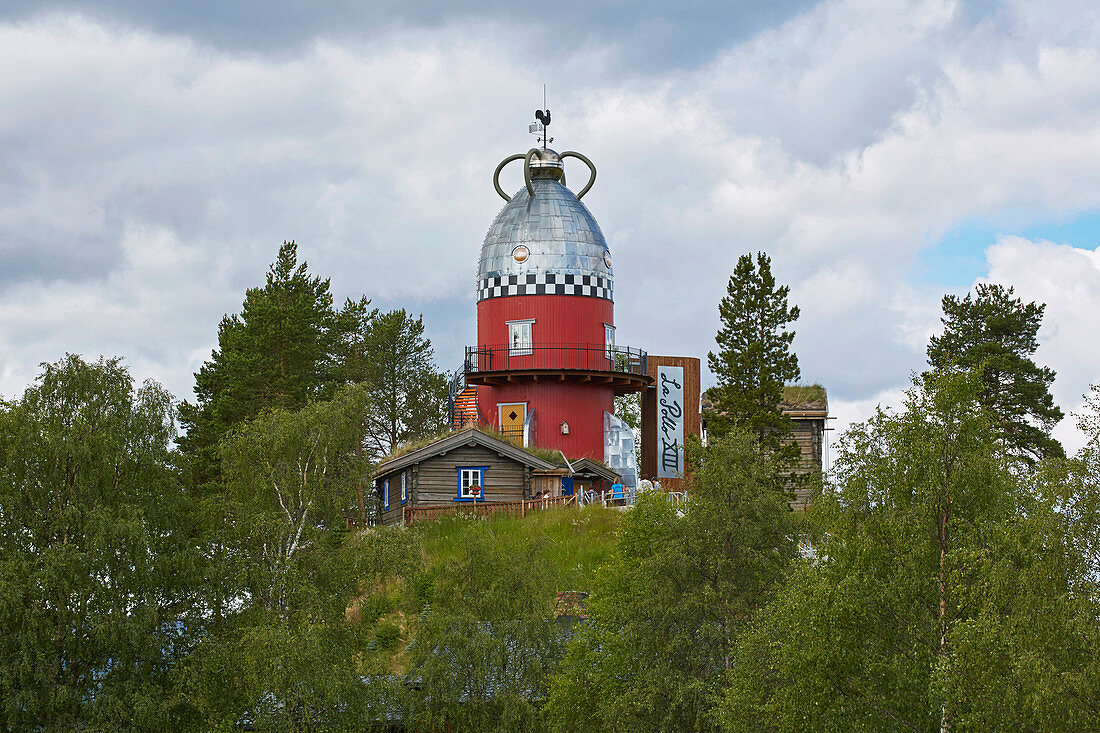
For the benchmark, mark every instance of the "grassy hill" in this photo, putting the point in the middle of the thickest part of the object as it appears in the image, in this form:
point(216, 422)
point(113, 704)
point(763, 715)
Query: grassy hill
point(412, 565)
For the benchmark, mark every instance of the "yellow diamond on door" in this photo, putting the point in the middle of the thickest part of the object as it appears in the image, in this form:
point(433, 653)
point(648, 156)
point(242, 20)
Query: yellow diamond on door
point(512, 418)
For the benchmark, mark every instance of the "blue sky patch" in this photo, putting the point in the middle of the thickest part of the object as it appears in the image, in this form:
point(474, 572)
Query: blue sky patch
point(959, 257)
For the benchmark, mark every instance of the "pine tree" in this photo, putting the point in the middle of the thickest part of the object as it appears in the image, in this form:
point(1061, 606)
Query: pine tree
point(754, 360)
point(408, 396)
point(276, 353)
point(352, 364)
point(994, 334)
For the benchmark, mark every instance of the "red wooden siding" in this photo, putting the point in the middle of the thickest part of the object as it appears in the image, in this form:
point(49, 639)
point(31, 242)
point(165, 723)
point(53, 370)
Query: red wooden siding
point(559, 320)
point(581, 405)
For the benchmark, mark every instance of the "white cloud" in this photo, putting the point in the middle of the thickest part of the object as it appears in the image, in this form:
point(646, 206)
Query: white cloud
point(146, 180)
point(845, 413)
point(1067, 279)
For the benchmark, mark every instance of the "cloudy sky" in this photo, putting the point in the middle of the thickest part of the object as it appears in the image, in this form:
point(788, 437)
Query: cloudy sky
point(154, 154)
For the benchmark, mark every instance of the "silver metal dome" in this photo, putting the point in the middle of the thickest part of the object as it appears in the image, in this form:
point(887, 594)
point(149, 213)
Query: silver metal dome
point(546, 244)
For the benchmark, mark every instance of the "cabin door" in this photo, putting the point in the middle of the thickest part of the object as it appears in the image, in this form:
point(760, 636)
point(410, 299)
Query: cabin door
point(512, 419)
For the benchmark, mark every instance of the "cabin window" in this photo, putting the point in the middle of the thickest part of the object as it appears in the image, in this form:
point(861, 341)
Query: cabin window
point(471, 483)
point(385, 493)
point(519, 337)
point(404, 487)
point(609, 339)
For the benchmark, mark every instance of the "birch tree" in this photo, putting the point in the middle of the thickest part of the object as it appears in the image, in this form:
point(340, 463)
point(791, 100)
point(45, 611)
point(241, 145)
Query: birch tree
point(98, 578)
point(282, 655)
point(950, 591)
point(679, 590)
point(290, 475)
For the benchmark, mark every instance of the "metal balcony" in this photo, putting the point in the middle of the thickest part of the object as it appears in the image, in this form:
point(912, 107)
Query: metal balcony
point(621, 366)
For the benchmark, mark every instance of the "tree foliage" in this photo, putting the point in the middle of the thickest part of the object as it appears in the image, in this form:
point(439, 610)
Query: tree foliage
point(302, 667)
point(290, 476)
point(490, 641)
point(97, 574)
point(628, 408)
point(408, 394)
point(1080, 507)
point(276, 354)
point(667, 608)
point(284, 653)
point(754, 359)
point(289, 346)
point(995, 335)
point(943, 596)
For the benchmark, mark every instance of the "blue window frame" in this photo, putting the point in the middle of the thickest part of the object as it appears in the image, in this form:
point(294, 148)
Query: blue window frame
point(469, 479)
point(404, 487)
point(385, 493)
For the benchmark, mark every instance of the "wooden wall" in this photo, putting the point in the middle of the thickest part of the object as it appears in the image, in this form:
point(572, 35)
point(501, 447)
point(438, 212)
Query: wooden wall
point(393, 514)
point(547, 481)
point(809, 433)
point(434, 481)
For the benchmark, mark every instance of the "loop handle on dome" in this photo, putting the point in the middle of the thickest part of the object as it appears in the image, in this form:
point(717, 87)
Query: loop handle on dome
point(496, 174)
point(527, 171)
point(587, 162)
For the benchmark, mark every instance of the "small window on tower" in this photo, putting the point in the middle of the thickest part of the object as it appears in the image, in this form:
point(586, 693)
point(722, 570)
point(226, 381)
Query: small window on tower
point(519, 337)
point(609, 335)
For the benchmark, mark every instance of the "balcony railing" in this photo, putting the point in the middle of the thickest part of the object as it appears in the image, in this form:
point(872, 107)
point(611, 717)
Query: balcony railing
point(587, 357)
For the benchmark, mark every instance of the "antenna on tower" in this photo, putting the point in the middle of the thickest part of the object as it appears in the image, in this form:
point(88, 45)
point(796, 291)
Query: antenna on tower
point(539, 128)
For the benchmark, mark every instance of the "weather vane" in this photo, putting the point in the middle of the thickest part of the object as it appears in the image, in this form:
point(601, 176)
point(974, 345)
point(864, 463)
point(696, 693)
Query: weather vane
point(540, 128)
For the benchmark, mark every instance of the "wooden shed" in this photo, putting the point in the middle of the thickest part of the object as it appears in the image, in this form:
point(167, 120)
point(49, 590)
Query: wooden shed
point(808, 408)
point(589, 475)
point(467, 466)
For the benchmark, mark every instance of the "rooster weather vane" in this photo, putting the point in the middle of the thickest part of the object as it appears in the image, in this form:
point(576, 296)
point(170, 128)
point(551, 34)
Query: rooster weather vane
point(543, 116)
point(547, 162)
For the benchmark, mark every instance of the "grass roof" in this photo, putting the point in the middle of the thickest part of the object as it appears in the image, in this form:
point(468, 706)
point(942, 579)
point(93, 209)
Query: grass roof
point(803, 394)
point(551, 456)
point(794, 395)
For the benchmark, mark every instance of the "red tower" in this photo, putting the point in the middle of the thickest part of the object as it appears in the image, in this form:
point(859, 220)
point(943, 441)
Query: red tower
point(546, 366)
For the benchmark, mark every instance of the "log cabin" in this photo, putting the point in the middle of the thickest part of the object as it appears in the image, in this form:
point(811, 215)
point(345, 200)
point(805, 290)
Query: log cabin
point(473, 467)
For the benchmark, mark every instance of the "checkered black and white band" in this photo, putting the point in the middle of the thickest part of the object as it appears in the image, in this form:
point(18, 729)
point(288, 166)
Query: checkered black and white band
point(545, 283)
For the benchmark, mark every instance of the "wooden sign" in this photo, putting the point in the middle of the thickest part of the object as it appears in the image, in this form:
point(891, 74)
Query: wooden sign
point(683, 371)
point(670, 422)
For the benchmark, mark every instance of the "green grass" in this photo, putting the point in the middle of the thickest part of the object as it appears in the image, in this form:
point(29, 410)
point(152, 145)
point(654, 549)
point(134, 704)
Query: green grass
point(551, 456)
point(793, 394)
point(803, 394)
point(570, 544)
point(405, 448)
